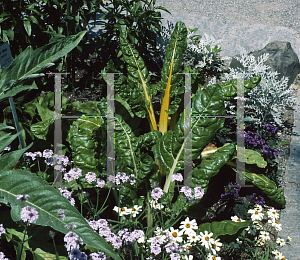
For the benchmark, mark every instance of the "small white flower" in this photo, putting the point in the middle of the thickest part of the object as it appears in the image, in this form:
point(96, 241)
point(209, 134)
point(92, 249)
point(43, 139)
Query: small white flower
point(212, 257)
point(122, 211)
point(193, 237)
point(190, 257)
point(206, 239)
point(188, 225)
point(255, 214)
point(280, 241)
point(275, 224)
point(237, 219)
point(259, 225)
point(176, 235)
point(135, 210)
point(277, 254)
point(264, 235)
point(272, 213)
point(288, 239)
point(216, 246)
point(154, 204)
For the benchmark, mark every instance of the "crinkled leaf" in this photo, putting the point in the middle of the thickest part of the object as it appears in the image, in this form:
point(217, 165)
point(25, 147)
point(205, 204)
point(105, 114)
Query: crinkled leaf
point(267, 186)
point(169, 149)
point(211, 165)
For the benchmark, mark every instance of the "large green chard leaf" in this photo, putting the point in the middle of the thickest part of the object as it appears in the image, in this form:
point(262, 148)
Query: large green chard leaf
point(211, 165)
point(47, 201)
point(169, 149)
point(30, 62)
point(169, 74)
point(221, 228)
point(267, 186)
point(138, 77)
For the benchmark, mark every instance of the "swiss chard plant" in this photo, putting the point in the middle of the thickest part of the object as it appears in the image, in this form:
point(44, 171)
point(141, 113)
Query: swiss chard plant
point(155, 156)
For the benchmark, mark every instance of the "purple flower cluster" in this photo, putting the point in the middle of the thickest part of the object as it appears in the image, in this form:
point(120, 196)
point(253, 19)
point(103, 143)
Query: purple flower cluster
point(255, 140)
point(231, 193)
point(270, 128)
point(258, 199)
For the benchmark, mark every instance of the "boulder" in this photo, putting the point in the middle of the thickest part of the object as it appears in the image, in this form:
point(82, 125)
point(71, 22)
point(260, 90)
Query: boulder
point(282, 59)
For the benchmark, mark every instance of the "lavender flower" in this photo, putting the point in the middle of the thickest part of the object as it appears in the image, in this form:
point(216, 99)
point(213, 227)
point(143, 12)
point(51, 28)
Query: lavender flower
point(90, 177)
point(2, 230)
point(155, 249)
point(98, 256)
point(61, 214)
point(99, 183)
point(73, 174)
point(177, 177)
point(29, 214)
point(2, 256)
point(157, 193)
point(21, 197)
point(175, 256)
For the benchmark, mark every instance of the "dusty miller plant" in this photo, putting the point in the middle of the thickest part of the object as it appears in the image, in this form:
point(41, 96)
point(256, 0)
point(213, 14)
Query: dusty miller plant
point(266, 103)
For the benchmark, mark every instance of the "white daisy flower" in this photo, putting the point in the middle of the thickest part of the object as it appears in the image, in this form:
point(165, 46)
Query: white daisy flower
point(264, 235)
point(256, 214)
point(280, 241)
point(278, 255)
point(258, 207)
point(188, 225)
point(237, 219)
point(154, 204)
point(190, 257)
point(176, 235)
point(206, 239)
point(212, 257)
point(193, 237)
point(135, 210)
point(272, 213)
point(122, 211)
point(275, 224)
point(259, 225)
point(288, 239)
point(216, 246)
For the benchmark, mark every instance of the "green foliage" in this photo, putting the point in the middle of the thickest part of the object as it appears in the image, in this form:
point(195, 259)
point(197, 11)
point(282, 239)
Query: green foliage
point(222, 228)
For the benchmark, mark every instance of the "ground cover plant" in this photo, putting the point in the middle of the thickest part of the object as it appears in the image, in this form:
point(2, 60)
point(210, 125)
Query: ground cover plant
point(154, 218)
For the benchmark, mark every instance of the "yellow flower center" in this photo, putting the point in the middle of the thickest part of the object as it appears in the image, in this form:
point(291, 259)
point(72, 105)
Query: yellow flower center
point(256, 212)
point(122, 209)
point(188, 247)
point(187, 225)
point(239, 220)
point(155, 203)
point(276, 222)
point(214, 245)
point(133, 208)
point(207, 238)
point(174, 234)
point(214, 258)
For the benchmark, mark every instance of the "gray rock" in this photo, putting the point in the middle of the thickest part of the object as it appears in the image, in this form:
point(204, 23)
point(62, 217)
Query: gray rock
point(282, 59)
